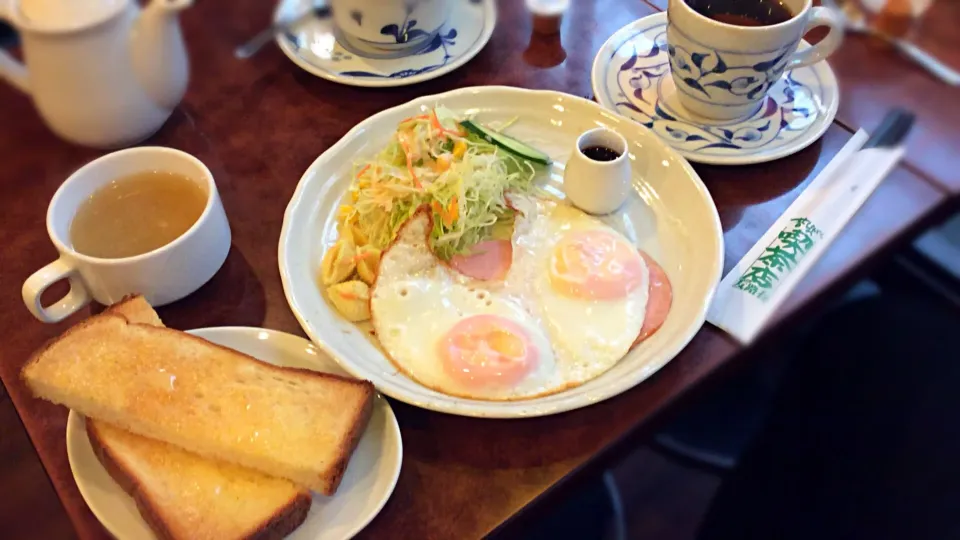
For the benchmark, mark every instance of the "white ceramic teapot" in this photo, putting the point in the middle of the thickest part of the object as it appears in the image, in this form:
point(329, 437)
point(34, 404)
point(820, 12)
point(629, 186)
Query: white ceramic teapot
point(101, 72)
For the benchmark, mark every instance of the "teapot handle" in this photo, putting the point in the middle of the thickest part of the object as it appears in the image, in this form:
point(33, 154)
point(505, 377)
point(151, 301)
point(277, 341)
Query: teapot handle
point(12, 70)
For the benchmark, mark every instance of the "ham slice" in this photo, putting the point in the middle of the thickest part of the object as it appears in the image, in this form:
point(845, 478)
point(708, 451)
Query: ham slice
point(489, 260)
point(659, 300)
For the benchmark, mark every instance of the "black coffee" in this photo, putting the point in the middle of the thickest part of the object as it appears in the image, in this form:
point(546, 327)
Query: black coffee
point(600, 153)
point(743, 12)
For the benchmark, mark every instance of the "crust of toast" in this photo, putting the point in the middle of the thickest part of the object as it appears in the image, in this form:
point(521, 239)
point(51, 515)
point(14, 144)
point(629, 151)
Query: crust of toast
point(283, 522)
point(135, 306)
point(331, 480)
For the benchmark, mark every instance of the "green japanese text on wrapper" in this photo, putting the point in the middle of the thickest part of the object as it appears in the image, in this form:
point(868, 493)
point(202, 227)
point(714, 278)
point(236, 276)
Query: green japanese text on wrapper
point(779, 258)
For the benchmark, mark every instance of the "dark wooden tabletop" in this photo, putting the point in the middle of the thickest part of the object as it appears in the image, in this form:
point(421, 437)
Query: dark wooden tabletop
point(259, 123)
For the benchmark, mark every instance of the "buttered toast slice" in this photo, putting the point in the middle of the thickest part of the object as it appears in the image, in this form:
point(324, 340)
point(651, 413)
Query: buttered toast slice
point(207, 399)
point(183, 496)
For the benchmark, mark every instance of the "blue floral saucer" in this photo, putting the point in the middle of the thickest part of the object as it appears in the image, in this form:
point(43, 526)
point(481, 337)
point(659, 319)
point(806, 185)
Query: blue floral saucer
point(631, 75)
point(312, 45)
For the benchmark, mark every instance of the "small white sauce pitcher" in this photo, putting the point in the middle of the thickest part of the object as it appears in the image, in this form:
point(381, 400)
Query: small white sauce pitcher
point(101, 72)
point(598, 187)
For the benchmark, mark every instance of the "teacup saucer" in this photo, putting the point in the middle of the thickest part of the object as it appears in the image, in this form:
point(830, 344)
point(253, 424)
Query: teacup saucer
point(631, 76)
point(312, 45)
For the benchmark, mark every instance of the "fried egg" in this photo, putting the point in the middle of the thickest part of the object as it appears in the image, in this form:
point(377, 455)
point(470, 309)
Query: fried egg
point(453, 334)
point(585, 282)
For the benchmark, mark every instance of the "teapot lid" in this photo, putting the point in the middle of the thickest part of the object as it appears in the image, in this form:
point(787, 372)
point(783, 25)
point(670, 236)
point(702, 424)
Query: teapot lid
point(65, 15)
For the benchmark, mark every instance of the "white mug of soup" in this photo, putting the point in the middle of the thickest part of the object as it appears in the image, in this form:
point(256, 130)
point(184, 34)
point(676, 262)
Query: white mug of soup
point(144, 220)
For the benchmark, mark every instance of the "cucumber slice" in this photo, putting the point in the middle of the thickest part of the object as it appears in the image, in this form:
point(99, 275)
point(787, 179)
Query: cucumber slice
point(507, 142)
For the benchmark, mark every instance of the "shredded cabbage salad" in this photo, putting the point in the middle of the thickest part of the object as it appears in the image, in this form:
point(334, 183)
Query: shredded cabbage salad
point(433, 160)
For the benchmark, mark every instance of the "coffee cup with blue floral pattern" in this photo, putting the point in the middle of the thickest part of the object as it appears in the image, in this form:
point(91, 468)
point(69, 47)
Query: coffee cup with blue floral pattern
point(388, 28)
point(723, 71)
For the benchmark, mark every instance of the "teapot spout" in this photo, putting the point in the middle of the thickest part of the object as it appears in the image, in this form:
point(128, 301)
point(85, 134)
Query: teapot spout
point(158, 53)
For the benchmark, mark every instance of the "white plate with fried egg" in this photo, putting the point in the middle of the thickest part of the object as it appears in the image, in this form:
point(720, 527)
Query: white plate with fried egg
point(574, 352)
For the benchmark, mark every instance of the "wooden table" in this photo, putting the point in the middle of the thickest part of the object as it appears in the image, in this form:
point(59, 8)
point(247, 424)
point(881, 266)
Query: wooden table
point(258, 124)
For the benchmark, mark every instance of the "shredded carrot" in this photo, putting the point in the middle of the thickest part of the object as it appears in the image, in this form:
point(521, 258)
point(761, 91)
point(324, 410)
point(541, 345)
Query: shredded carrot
point(453, 211)
point(347, 295)
point(363, 170)
point(420, 117)
point(406, 152)
point(448, 215)
point(439, 126)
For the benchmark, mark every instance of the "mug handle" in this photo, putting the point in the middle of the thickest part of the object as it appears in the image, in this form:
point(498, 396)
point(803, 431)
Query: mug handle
point(46, 276)
point(820, 16)
point(11, 70)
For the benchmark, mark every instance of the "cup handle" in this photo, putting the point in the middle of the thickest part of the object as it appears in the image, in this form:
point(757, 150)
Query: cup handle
point(820, 16)
point(46, 276)
point(11, 70)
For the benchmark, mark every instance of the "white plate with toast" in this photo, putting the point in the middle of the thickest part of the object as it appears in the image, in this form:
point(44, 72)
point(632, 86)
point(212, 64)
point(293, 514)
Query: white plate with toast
point(669, 215)
point(366, 485)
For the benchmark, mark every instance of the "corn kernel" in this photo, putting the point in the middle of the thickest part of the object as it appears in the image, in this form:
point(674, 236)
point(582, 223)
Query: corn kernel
point(459, 149)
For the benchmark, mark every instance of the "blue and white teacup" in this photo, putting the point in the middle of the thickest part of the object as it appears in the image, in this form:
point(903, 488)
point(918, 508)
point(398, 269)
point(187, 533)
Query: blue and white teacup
point(388, 28)
point(723, 71)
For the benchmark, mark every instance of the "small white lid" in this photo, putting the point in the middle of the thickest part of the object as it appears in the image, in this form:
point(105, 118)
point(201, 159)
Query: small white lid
point(548, 8)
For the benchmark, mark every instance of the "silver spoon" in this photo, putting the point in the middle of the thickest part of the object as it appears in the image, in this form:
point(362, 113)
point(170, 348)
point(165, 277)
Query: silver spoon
point(268, 34)
point(856, 21)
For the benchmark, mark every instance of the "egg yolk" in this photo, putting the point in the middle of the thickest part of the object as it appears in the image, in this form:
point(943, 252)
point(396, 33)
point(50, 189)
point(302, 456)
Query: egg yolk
point(595, 265)
point(487, 350)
